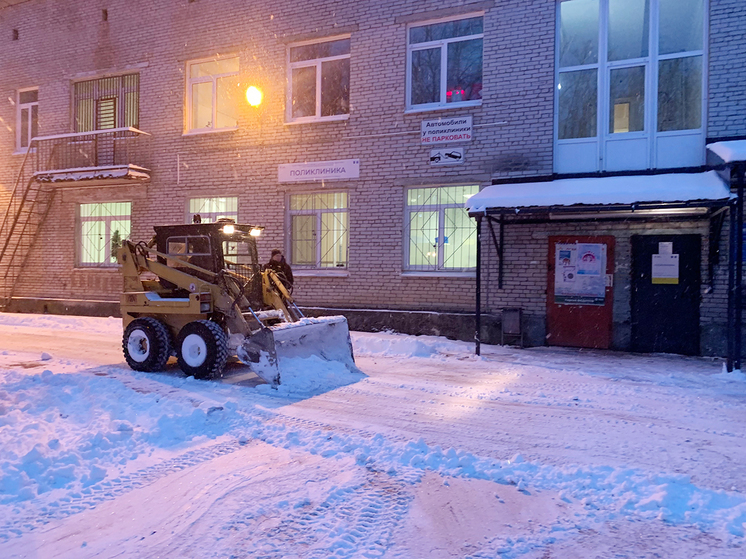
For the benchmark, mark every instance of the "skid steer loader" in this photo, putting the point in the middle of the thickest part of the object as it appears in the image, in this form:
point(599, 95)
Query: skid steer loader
point(198, 291)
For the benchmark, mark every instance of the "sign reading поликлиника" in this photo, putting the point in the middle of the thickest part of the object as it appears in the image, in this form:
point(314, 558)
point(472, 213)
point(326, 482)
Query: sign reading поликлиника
point(445, 130)
point(319, 170)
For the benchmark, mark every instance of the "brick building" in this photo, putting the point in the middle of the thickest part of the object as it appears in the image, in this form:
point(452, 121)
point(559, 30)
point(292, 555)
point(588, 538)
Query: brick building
point(377, 123)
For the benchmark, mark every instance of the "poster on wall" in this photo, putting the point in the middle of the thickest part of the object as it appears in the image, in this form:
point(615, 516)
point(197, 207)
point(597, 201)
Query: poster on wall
point(580, 274)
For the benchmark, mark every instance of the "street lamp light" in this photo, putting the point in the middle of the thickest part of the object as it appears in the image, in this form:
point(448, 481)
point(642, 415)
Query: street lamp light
point(254, 96)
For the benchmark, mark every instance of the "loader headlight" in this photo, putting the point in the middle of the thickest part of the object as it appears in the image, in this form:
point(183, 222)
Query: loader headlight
point(255, 232)
point(229, 229)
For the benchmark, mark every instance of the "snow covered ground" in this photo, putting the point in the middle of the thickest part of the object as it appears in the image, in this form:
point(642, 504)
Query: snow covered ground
point(431, 453)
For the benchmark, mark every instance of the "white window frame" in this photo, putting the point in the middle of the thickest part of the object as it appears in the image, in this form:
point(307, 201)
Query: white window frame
point(439, 268)
point(443, 44)
point(604, 67)
point(315, 62)
point(212, 216)
point(108, 220)
point(19, 112)
point(188, 130)
point(318, 212)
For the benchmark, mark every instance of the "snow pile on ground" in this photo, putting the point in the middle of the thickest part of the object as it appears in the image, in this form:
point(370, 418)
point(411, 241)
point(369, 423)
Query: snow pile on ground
point(307, 377)
point(402, 345)
point(67, 431)
point(108, 325)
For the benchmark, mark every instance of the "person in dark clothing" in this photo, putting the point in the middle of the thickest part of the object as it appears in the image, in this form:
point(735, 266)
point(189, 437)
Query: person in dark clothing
point(281, 268)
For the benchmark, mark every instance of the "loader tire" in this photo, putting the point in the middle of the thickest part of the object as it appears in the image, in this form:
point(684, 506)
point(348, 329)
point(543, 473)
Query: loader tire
point(146, 344)
point(202, 349)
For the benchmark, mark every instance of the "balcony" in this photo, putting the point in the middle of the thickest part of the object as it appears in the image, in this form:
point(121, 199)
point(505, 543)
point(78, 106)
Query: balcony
point(96, 157)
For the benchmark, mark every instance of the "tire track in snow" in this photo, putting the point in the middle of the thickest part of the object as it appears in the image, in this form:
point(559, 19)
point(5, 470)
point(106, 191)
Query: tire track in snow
point(351, 522)
point(108, 490)
point(369, 498)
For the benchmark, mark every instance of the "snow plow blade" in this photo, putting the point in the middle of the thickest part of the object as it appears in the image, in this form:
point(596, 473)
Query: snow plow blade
point(325, 337)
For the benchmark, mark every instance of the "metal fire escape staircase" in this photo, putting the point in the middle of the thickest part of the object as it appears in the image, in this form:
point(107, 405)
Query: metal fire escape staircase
point(83, 159)
point(29, 204)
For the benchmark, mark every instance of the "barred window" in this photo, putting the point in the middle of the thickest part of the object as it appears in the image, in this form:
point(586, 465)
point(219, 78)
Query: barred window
point(103, 228)
point(441, 235)
point(319, 236)
point(212, 209)
point(107, 103)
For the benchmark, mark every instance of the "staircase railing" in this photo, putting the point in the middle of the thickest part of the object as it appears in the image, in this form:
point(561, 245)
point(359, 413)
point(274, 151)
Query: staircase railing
point(52, 159)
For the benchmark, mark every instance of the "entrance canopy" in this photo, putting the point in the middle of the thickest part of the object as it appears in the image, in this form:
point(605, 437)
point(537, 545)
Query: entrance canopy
point(612, 193)
point(666, 196)
point(729, 151)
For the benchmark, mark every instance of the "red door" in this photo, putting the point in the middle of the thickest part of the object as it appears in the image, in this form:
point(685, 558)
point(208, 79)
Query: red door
point(579, 292)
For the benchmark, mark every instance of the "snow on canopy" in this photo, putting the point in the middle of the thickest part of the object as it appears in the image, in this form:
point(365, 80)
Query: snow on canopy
point(734, 150)
point(674, 187)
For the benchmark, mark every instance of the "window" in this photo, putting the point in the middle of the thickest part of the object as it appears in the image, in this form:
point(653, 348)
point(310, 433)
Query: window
point(103, 228)
point(212, 209)
point(27, 126)
point(193, 249)
point(441, 235)
point(444, 63)
point(319, 81)
point(318, 230)
point(107, 103)
point(213, 95)
point(630, 75)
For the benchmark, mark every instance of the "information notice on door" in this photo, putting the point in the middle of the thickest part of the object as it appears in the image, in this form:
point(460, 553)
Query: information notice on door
point(580, 274)
point(665, 269)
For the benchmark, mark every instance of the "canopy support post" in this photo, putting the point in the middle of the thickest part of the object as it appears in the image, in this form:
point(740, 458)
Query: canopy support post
point(737, 299)
point(478, 311)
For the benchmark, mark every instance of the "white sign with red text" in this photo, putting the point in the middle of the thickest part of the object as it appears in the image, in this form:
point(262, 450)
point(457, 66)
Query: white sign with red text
point(445, 130)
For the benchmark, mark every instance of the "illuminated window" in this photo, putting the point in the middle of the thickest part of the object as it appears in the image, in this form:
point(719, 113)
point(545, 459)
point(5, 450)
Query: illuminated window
point(102, 229)
point(212, 209)
point(441, 235)
point(444, 63)
point(213, 95)
point(319, 230)
point(319, 80)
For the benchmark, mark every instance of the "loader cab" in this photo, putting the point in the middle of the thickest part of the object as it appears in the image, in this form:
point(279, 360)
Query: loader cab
point(210, 246)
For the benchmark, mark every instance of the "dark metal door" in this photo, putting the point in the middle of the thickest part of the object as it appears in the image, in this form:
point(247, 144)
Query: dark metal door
point(665, 293)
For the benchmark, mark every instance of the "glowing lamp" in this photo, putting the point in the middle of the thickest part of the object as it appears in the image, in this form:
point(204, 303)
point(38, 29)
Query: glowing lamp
point(254, 96)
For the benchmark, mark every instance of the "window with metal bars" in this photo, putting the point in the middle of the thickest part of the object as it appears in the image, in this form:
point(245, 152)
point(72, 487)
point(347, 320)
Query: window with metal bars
point(106, 103)
point(319, 230)
point(441, 235)
point(102, 229)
